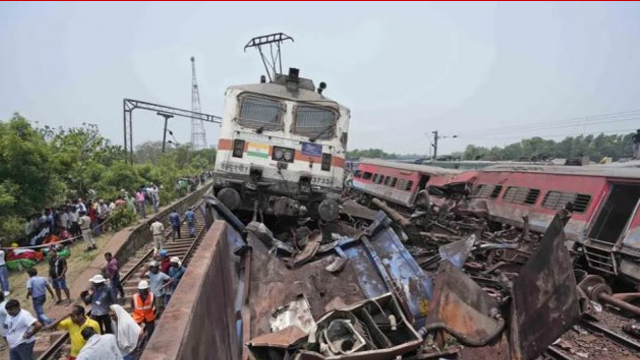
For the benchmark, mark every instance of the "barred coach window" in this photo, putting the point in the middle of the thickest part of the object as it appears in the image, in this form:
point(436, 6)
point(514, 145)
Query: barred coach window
point(261, 113)
point(314, 122)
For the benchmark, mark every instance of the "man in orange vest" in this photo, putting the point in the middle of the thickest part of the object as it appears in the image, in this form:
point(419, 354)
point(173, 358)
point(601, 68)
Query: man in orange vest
point(143, 307)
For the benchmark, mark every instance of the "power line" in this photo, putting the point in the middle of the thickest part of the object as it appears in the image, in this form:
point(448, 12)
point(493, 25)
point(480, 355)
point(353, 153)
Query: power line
point(560, 126)
point(557, 135)
point(576, 121)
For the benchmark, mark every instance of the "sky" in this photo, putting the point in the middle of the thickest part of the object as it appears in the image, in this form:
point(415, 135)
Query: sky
point(479, 71)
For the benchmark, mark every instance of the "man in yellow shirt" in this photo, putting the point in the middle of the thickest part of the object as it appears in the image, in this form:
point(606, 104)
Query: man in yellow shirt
point(74, 325)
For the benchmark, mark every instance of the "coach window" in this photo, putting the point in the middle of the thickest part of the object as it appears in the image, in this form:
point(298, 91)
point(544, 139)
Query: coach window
point(314, 122)
point(358, 174)
point(260, 113)
point(367, 176)
point(556, 200)
point(520, 195)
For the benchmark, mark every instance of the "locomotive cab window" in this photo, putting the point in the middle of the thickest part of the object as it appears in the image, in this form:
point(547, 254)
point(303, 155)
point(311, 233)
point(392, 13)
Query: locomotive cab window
point(314, 122)
point(260, 113)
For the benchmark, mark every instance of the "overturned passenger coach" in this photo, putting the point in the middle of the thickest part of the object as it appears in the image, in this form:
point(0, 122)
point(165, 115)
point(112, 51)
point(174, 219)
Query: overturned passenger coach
point(605, 226)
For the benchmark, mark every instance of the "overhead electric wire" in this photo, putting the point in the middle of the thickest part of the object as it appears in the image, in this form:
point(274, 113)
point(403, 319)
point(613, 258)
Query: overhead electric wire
point(555, 135)
point(559, 126)
point(578, 121)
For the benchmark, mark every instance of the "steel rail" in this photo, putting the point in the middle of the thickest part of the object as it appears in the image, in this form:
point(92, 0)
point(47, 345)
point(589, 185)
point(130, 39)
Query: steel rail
point(620, 339)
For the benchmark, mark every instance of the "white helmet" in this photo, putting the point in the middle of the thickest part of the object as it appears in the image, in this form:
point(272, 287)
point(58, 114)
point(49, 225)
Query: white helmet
point(143, 284)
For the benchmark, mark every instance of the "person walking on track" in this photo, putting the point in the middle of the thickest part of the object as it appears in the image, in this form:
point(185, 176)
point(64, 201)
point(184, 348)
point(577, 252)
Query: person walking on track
point(37, 288)
point(174, 220)
point(100, 297)
point(99, 347)
point(112, 272)
point(143, 305)
point(190, 218)
point(157, 229)
point(20, 327)
point(74, 325)
point(158, 282)
point(128, 333)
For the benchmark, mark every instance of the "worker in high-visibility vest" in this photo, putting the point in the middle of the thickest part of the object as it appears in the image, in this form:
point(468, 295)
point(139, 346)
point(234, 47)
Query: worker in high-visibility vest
point(143, 307)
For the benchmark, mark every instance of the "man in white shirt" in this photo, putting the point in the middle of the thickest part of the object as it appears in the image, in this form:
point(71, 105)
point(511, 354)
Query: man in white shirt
point(99, 347)
point(4, 274)
point(157, 230)
point(155, 197)
point(20, 327)
point(3, 318)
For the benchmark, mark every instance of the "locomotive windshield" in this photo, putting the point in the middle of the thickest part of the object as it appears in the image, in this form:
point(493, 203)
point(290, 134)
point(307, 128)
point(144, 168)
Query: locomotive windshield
point(314, 122)
point(261, 113)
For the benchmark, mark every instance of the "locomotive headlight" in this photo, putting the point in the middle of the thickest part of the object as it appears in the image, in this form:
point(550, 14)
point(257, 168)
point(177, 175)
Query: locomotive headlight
point(283, 154)
point(288, 155)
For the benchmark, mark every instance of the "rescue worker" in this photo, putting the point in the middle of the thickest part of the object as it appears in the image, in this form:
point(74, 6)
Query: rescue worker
point(158, 282)
point(175, 272)
point(143, 307)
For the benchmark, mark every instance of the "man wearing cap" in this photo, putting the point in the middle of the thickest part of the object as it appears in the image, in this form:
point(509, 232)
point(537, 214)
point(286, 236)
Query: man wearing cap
point(85, 225)
point(165, 262)
point(158, 282)
point(190, 218)
point(100, 297)
point(74, 325)
point(175, 273)
point(157, 229)
point(143, 305)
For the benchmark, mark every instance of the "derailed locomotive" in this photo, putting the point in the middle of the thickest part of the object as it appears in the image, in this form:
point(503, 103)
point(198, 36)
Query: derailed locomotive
point(282, 147)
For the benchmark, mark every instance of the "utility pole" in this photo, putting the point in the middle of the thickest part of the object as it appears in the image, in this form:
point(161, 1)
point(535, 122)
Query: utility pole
point(435, 145)
point(198, 136)
point(164, 133)
point(436, 137)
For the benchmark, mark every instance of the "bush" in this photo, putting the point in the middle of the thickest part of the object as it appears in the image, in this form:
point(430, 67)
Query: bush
point(121, 217)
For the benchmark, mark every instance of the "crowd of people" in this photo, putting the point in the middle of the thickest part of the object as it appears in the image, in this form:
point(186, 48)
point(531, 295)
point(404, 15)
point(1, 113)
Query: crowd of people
point(109, 326)
point(75, 219)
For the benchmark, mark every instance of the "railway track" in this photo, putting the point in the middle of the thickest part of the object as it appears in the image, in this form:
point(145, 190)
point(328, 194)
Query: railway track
point(621, 341)
point(132, 271)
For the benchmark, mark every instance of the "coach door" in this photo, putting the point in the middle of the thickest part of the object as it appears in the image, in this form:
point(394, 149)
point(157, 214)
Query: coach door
point(616, 214)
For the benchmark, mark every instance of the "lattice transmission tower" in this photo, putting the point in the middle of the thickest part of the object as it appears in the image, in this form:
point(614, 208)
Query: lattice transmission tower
point(198, 136)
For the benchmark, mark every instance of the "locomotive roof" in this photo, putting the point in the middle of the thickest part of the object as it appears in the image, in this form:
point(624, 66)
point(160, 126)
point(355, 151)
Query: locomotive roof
point(281, 91)
point(587, 170)
point(434, 170)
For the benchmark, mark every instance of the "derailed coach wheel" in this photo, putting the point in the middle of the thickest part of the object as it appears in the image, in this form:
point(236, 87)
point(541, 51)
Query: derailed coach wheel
point(230, 198)
point(329, 210)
